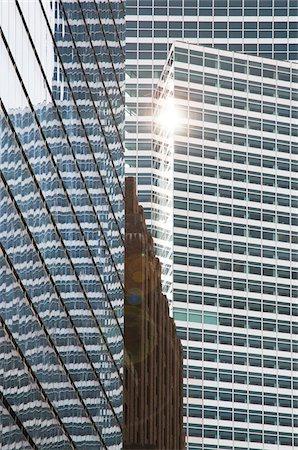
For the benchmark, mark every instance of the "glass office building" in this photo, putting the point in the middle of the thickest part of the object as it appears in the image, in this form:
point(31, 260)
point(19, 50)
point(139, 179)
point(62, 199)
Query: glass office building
point(266, 28)
point(61, 224)
point(232, 130)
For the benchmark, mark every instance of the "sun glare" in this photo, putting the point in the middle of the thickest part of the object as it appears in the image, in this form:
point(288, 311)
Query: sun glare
point(169, 117)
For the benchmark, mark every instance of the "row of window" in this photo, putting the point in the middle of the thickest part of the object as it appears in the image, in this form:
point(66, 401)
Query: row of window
point(238, 284)
point(262, 26)
point(211, 3)
point(236, 65)
point(229, 137)
point(231, 120)
point(245, 213)
point(240, 340)
point(237, 157)
point(237, 139)
point(257, 70)
point(159, 51)
point(241, 248)
point(276, 51)
point(195, 316)
point(227, 301)
point(232, 265)
point(242, 434)
point(243, 176)
point(228, 320)
point(232, 210)
point(260, 124)
point(238, 229)
point(141, 92)
point(190, 30)
point(208, 79)
point(236, 211)
point(238, 396)
point(240, 377)
point(226, 101)
point(138, 109)
point(240, 415)
point(224, 191)
point(233, 174)
point(192, 446)
point(138, 127)
point(237, 193)
point(211, 8)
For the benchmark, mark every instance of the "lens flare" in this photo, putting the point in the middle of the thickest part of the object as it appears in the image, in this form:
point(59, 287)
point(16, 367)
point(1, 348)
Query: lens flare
point(169, 117)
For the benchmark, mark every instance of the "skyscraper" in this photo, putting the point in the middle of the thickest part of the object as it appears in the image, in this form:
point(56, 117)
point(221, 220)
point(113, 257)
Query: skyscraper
point(266, 28)
point(234, 153)
point(61, 224)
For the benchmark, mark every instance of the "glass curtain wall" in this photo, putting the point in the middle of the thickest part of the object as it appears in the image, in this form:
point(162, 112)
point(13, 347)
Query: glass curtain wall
point(61, 223)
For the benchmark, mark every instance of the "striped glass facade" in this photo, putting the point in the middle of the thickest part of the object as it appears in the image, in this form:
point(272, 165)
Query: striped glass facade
point(232, 133)
point(61, 224)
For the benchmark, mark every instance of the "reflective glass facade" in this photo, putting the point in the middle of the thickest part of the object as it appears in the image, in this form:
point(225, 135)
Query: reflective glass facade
point(61, 224)
point(234, 152)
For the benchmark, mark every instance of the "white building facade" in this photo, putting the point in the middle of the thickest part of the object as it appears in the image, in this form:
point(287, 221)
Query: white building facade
point(266, 28)
point(231, 141)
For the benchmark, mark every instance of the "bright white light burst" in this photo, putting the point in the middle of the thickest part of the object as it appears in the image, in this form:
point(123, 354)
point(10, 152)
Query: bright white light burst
point(169, 117)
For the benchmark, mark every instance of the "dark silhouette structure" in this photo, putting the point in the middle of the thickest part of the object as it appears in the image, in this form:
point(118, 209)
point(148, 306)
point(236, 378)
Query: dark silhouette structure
point(153, 379)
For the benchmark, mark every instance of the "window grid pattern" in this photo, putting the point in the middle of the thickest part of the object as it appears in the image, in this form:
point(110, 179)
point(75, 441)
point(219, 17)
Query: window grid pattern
point(61, 224)
point(235, 261)
point(263, 28)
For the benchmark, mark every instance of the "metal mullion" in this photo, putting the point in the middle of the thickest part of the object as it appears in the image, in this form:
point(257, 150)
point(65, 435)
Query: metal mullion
point(99, 71)
point(43, 327)
point(69, 143)
point(17, 421)
point(112, 63)
point(60, 298)
point(58, 233)
point(108, 48)
point(59, 177)
point(79, 115)
point(66, 251)
point(113, 18)
point(91, 97)
point(36, 382)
